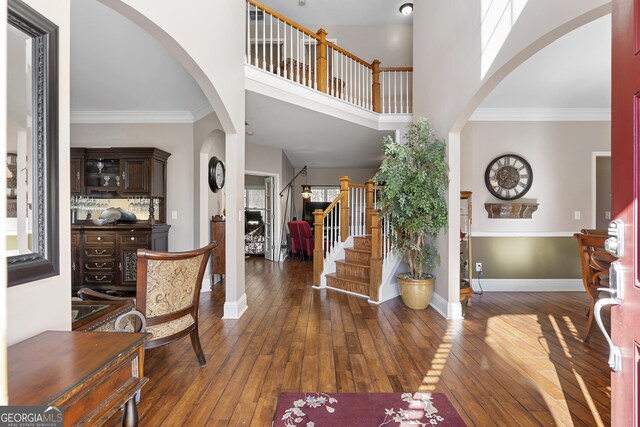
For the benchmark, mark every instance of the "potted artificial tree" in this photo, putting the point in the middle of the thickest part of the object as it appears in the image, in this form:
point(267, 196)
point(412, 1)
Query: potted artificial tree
point(415, 175)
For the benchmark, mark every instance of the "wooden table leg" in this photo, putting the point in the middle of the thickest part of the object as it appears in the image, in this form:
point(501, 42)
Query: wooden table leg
point(130, 416)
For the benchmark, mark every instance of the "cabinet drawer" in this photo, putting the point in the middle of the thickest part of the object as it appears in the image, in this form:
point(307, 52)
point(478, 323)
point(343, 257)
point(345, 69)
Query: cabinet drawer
point(134, 239)
point(100, 265)
point(103, 252)
point(98, 239)
point(106, 278)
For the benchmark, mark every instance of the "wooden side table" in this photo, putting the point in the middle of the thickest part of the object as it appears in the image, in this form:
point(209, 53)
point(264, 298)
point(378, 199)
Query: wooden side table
point(98, 316)
point(90, 375)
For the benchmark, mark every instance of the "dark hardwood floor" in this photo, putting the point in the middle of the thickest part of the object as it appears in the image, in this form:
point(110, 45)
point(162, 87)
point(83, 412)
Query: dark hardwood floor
point(516, 359)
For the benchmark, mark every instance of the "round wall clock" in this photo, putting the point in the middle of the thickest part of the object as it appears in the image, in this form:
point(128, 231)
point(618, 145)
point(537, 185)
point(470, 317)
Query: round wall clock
point(216, 174)
point(508, 177)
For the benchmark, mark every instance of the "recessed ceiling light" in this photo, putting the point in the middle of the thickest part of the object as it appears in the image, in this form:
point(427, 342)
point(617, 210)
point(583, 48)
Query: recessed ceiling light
point(406, 8)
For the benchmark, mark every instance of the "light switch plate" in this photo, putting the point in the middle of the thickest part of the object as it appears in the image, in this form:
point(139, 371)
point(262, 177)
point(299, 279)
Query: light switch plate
point(174, 214)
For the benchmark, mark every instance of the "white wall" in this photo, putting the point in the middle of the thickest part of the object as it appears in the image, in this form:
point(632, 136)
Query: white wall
point(391, 44)
point(175, 138)
point(450, 83)
point(560, 156)
point(46, 304)
point(201, 134)
point(213, 55)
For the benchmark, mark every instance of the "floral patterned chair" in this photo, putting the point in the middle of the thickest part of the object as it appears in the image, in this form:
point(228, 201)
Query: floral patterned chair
point(168, 292)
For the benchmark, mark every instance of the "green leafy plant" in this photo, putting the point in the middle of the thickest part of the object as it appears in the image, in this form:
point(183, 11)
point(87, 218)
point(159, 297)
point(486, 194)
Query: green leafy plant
point(415, 176)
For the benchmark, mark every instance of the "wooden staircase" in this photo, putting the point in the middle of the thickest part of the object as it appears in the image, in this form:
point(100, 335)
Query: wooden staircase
point(353, 274)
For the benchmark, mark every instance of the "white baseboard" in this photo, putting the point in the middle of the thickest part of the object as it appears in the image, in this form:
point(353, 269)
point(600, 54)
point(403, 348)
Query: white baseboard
point(529, 285)
point(447, 309)
point(206, 285)
point(235, 309)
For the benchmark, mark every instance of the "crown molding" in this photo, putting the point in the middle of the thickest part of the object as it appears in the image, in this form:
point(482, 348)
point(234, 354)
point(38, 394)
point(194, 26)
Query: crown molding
point(201, 110)
point(79, 117)
point(541, 115)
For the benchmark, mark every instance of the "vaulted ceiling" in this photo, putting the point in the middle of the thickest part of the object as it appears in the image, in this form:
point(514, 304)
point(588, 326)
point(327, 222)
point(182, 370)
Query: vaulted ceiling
point(116, 66)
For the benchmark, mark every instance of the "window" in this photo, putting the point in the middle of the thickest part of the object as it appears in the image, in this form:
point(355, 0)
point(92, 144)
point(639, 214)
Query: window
point(324, 194)
point(254, 200)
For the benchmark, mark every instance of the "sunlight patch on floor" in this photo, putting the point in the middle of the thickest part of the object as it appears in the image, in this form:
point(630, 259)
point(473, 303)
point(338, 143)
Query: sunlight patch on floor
point(438, 362)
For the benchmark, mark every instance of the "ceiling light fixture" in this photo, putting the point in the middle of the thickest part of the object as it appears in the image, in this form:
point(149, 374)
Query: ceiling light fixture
point(406, 8)
point(302, 2)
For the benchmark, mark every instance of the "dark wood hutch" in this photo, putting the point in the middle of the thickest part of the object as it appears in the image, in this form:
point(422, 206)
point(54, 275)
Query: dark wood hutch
point(104, 257)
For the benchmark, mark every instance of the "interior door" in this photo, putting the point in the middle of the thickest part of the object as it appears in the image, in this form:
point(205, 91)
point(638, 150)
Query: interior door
point(269, 217)
point(625, 158)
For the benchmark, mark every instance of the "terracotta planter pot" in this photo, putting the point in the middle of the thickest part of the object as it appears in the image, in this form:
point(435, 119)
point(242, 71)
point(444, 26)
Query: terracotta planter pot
point(416, 293)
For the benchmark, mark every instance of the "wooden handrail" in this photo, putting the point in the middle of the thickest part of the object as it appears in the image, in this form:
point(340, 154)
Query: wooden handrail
point(386, 69)
point(349, 54)
point(284, 19)
point(357, 185)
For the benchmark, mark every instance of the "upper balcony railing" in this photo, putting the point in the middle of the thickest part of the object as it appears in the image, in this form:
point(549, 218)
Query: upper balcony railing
point(278, 45)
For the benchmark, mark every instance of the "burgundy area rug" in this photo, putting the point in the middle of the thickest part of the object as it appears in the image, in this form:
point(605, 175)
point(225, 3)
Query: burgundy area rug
point(365, 410)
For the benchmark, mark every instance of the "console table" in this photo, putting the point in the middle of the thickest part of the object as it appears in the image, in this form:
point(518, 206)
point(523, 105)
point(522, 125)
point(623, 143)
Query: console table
point(90, 375)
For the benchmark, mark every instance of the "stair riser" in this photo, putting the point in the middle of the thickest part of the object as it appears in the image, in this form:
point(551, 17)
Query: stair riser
point(350, 270)
point(357, 257)
point(337, 283)
point(362, 243)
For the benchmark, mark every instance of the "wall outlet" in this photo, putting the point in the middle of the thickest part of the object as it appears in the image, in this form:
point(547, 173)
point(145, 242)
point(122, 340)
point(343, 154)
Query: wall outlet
point(174, 214)
point(607, 215)
point(576, 215)
point(478, 267)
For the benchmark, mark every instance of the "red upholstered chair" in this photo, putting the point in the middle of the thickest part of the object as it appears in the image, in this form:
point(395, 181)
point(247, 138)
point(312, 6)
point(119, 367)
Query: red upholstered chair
point(301, 239)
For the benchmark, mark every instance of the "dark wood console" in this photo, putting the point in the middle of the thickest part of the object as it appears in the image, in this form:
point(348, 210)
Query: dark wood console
point(104, 257)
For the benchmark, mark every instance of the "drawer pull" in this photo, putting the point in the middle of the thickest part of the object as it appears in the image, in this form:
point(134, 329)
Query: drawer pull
point(133, 238)
point(100, 278)
point(73, 266)
point(99, 238)
point(102, 264)
point(100, 252)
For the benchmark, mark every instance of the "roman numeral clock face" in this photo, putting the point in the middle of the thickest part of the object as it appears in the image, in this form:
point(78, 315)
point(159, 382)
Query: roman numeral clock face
point(508, 177)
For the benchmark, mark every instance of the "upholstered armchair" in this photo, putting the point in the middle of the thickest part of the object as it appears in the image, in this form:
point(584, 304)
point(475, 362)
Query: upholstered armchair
point(168, 292)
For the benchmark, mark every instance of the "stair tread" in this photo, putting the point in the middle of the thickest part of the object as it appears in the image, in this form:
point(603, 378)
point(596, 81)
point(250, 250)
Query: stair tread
point(357, 250)
point(342, 261)
point(347, 278)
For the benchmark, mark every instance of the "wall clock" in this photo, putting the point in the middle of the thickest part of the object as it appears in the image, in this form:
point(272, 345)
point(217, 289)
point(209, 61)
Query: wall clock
point(508, 177)
point(216, 174)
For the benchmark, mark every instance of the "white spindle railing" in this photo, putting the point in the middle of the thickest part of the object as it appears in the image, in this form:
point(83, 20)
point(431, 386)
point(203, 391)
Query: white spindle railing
point(280, 46)
point(387, 230)
point(331, 229)
point(276, 46)
point(396, 90)
point(357, 210)
point(348, 78)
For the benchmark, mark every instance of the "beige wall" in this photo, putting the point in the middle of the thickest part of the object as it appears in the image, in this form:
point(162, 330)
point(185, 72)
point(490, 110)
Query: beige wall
point(603, 191)
point(391, 44)
point(176, 139)
point(45, 304)
point(560, 155)
point(527, 257)
point(449, 84)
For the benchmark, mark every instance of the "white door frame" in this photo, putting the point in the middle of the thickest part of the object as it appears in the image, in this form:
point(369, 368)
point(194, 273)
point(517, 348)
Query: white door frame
point(594, 157)
point(276, 209)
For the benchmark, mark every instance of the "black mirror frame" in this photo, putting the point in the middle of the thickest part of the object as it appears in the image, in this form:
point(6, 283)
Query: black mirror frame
point(44, 261)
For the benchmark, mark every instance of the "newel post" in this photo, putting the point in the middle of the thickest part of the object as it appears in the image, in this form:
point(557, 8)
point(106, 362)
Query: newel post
point(318, 249)
point(375, 90)
point(321, 56)
point(344, 208)
point(375, 276)
point(369, 204)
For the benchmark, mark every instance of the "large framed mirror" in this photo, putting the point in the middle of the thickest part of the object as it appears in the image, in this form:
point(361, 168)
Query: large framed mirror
point(31, 228)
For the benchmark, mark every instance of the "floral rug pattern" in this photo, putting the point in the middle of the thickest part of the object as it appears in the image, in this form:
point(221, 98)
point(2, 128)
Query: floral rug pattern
point(365, 410)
